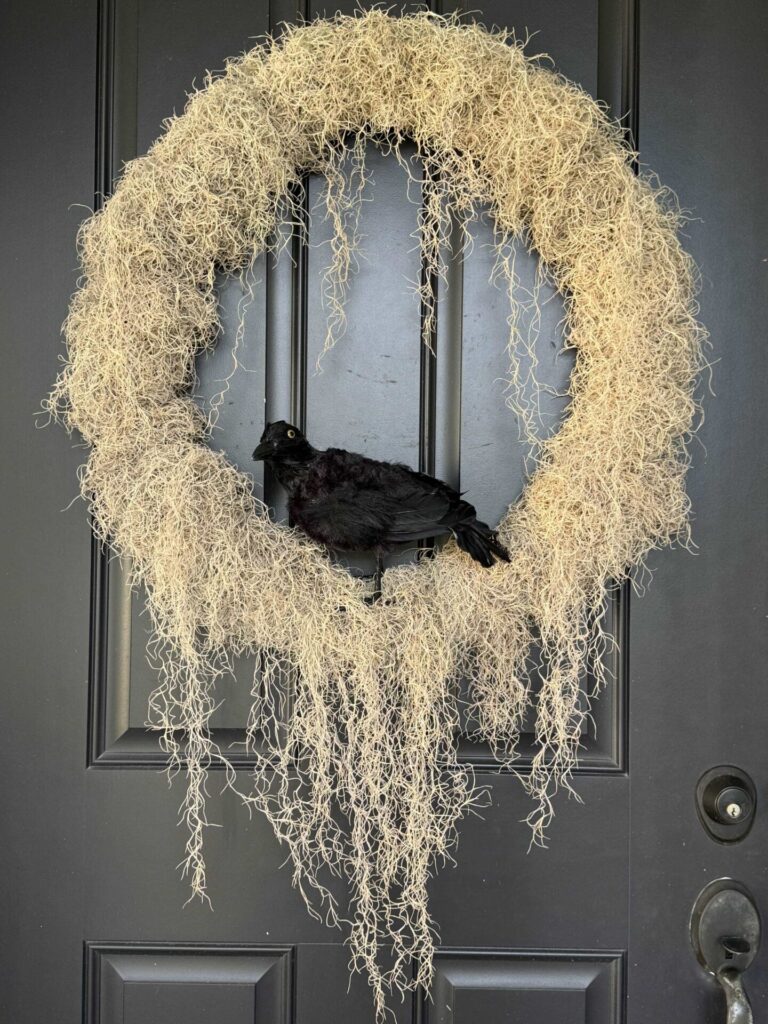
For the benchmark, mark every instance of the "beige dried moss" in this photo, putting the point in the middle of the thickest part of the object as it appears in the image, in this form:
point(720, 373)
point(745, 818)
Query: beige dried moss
point(361, 776)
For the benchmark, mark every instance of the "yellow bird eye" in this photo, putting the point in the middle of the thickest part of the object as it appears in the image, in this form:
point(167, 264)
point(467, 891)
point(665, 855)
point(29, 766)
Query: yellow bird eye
point(291, 433)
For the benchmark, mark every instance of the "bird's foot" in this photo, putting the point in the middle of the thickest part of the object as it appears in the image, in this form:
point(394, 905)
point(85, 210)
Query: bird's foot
point(373, 599)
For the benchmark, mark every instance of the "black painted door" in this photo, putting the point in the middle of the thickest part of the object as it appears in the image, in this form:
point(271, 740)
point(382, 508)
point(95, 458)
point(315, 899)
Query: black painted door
point(592, 929)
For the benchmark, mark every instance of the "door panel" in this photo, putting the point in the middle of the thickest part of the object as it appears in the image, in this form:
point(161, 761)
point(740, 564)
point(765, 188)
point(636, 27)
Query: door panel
point(559, 989)
point(591, 929)
point(377, 390)
point(166, 984)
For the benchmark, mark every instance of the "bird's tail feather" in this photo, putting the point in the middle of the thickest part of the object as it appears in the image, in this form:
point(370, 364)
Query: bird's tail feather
point(481, 542)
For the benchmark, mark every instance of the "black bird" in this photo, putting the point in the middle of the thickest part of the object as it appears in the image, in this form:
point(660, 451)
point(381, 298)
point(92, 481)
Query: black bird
point(352, 503)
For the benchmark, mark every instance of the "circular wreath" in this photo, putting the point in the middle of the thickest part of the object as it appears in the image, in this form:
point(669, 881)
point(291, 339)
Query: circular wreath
point(370, 725)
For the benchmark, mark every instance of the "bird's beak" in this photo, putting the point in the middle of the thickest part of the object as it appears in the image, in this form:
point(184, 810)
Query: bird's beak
point(262, 451)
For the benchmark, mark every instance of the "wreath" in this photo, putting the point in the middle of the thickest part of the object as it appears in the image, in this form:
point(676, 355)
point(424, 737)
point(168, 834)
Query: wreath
point(356, 707)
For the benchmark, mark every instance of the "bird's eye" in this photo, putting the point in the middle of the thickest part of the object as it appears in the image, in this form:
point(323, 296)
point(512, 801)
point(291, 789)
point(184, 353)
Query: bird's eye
point(291, 433)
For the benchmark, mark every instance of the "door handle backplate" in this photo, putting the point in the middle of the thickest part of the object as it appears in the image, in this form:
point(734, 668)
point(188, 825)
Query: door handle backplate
point(725, 935)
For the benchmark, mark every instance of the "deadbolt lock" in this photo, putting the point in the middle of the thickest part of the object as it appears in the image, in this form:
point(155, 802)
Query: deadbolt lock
point(726, 802)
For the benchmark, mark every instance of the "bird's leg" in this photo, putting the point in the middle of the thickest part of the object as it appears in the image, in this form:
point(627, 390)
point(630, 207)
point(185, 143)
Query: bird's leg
point(377, 577)
point(375, 597)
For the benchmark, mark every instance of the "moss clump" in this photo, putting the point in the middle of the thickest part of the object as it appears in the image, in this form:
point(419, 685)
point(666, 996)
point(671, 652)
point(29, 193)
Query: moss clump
point(361, 777)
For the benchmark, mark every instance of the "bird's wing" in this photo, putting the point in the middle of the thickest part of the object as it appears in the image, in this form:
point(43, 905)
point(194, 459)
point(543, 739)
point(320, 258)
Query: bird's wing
point(422, 507)
point(350, 502)
point(359, 517)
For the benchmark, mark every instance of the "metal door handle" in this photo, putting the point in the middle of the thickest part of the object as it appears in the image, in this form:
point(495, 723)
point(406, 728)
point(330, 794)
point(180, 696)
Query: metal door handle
point(725, 935)
point(737, 1004)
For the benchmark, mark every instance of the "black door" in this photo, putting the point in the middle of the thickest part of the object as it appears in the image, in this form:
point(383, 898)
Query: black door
point(592, 929)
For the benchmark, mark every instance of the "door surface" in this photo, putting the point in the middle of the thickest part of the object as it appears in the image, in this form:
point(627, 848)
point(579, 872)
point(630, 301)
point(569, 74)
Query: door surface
point(592, 929)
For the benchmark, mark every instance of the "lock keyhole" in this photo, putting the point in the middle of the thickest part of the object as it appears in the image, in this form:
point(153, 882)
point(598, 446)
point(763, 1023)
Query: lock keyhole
point(734, 946)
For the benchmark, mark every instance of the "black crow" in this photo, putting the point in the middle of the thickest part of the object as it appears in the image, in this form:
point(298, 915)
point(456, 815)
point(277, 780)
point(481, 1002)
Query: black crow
point(352, 503)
